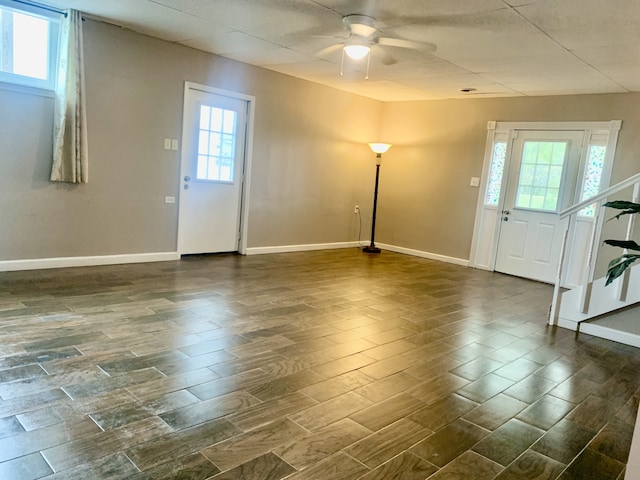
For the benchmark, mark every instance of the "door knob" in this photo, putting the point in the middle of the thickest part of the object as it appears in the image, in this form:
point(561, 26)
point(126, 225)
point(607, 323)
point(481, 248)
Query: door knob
point(187, 178)
point(506, 212)
point(506, 219)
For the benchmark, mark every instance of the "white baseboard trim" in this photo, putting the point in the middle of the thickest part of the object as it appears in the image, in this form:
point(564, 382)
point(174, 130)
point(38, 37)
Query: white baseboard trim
point(420, 253)
point(329, 246)
point(619, 336)
point(566, 323)
point(62, 262)
point(300, 248)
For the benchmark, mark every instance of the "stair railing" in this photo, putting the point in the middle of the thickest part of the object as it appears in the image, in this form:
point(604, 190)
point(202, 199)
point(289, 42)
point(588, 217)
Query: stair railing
point(569, 217)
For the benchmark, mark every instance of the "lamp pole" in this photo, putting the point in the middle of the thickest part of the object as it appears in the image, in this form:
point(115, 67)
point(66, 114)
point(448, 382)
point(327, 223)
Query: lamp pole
point(378, 149)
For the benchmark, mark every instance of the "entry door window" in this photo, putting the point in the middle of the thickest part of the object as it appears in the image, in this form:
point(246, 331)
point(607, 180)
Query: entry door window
point(495, 173)
point(592, 177)
point(541, 175)
point(216, 144)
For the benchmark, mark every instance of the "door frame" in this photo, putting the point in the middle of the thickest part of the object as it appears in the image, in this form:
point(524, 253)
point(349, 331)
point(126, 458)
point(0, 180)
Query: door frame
point(484, 245)
point(248, 155)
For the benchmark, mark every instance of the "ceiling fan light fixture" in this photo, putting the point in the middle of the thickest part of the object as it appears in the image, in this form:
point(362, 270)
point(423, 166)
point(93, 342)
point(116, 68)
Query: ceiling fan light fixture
point(356, 51)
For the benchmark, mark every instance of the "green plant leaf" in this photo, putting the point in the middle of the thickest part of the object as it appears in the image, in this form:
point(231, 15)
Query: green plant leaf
point(618, 269)
point(629, 208)
point(615, 261)
point(617, 266)
point(622, 204)
point(628, 244)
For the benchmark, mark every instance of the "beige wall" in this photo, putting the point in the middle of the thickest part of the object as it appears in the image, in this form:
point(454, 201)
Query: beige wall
point(426, 202)
point(309, 154)
point(310, 164)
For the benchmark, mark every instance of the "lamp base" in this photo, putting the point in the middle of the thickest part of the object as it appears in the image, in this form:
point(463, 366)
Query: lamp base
point(371, 249)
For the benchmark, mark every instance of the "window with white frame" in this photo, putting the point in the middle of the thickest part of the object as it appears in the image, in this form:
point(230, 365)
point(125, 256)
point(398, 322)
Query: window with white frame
point(593, 172)
point(494, 182)
point(217, 135)
point(28, 44)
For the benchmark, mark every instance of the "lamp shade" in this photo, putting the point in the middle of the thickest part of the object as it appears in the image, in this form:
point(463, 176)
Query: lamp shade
point(380, 148)
point(356, 51)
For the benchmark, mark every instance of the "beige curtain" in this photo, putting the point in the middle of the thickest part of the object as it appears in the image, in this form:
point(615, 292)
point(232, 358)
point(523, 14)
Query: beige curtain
point(70, 151)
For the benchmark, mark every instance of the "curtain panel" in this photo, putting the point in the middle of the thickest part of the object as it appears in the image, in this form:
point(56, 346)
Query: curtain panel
point(70, 148)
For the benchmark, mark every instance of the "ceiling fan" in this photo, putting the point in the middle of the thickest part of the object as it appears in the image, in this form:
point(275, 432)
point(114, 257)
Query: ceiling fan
point(363, 36)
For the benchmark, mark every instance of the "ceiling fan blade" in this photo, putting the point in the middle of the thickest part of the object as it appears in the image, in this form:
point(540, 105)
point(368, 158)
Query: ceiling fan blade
point(330, 49)
point(385, 57)
point(400, 43)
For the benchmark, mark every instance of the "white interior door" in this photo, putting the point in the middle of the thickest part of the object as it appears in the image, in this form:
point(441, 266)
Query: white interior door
point(541, 182)
point(211, 172)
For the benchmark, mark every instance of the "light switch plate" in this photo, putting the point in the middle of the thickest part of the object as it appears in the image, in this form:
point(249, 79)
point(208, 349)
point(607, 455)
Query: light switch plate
point(167, 144)
point(174, 144)
point(475, 182)
point(169, 199)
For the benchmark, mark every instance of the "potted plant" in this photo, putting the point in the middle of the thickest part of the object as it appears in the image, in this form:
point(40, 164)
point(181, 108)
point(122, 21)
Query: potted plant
point(618, 265)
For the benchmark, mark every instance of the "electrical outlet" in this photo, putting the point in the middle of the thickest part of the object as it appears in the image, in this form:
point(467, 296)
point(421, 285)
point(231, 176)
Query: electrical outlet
point(356, 209)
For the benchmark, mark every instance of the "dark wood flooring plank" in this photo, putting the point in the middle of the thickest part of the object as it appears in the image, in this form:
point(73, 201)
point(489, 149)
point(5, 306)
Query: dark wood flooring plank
point(29, 467)
point(284, 385)
point(508, 442)
point(112, 467)
point(241, 448)
point(546, 412)
point(405, 466)
point(532, 466)
point(201, 412)
point(312, 448)
point(266, 467)
point(469, 465)
point(387, 411)
point(449, 442)
point(442, 412)
point(338, 385)
point(10, 426)
point(325, 413)
point(43, 438)
point(564, 441)
point(262, 413)
point(225, 385)
point(83, 450)
point(588, 463)
point(190, 467)
point(495, 411)
point(385, 444)
point(178, 444)
point(336, 467)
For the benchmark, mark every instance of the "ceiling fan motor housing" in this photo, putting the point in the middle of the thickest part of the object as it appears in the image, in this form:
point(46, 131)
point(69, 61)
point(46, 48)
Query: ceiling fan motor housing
point(360, 25)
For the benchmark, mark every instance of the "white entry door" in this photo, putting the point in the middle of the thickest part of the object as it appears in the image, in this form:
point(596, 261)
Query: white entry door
point(211, 173)
point(541, 182)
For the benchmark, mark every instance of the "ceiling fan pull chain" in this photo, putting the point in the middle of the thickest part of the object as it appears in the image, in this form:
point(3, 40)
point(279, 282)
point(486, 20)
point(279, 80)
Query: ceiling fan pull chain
point(342, 64)
point(366, 77)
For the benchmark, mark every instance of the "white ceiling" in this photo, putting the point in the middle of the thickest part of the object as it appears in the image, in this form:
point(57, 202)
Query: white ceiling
point(499, 47)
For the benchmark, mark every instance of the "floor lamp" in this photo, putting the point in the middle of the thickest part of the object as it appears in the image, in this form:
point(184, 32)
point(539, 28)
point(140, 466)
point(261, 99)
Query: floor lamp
point(378, 149)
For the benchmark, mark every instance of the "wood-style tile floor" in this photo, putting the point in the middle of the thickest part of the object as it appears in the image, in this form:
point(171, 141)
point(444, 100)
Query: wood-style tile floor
point(329, 365)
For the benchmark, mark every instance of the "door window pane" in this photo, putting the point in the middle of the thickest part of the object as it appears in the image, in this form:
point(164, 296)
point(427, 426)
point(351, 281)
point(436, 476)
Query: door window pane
point(216, 144)
point(495, 173)
point(541, 175)
point(593, 175)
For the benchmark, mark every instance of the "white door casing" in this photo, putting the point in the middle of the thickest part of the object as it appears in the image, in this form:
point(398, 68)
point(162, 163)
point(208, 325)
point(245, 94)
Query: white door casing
point(501, 137)
point(214, 170)
point(530, 231)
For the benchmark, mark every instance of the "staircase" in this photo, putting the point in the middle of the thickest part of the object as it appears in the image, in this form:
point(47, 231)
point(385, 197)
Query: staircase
point(613, 311)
